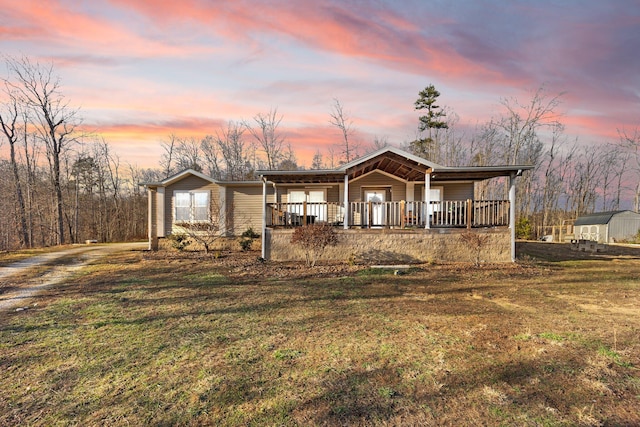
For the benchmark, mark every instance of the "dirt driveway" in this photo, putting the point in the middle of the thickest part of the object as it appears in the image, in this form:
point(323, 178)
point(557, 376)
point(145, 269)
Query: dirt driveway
point(23, 279)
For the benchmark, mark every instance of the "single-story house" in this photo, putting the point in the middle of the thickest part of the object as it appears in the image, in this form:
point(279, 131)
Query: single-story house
point(389, 205)
point(607, 227)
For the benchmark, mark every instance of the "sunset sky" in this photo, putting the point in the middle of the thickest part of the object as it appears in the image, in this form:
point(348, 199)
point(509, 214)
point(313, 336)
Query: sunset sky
point(141, 70)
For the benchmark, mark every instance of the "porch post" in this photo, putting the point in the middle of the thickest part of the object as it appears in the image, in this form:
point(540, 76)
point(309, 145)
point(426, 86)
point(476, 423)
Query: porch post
point(345, 220)
point(427, 197)
point(264, 218)
point(153, 225)
point(512, 214)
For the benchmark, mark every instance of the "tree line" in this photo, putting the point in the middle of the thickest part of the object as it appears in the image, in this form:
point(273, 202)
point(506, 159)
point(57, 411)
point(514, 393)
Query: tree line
point(59, 183)
point(62, 184)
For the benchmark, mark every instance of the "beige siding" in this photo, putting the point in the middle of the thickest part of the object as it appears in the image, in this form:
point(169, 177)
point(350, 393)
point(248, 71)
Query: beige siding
point(458, 191)
point(451, 191)
point(333, 192)
point(190, 183)
point(396, 190)
point(245, 201)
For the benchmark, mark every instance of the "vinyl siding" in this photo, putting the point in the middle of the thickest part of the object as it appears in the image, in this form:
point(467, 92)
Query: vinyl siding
point(451, 191)
point(458, 191)
point(190, 183)
point(396, 190)
point(245, 202)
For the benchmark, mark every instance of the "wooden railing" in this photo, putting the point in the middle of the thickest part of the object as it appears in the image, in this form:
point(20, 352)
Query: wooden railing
point(444, 214)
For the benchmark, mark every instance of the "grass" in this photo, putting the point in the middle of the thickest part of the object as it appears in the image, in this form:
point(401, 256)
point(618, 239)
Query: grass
point(143, 340)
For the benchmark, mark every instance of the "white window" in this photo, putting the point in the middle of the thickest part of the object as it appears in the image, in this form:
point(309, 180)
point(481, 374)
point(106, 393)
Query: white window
point(191, 206)
point(316, 203)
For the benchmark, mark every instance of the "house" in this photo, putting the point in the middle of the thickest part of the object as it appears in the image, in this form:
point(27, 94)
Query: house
point(389, 205)
point(607, 227)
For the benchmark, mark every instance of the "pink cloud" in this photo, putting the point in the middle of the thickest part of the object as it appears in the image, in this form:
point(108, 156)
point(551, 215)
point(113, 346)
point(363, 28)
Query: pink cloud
point(55, 23)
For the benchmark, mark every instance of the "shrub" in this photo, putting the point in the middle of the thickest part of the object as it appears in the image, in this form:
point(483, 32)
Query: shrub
point(247, 239)
point(313, 239)
point(476, 242)
point(523, 229)
point(180, 241)
point(250, 234)
point(245, 244)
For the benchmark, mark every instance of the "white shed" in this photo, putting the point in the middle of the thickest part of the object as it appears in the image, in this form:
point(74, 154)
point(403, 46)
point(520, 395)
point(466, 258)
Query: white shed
point(608, 227)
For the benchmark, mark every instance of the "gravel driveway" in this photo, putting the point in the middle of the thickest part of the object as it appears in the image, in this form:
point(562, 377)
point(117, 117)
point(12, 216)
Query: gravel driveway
point(14, 294)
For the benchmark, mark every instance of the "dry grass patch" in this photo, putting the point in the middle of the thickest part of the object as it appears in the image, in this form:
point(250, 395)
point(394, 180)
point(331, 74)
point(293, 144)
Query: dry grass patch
point(189, 340)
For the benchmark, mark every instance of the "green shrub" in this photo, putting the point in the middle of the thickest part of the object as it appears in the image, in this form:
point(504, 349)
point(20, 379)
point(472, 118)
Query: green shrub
point(250, 234)
point(524, 229)
point(247, 239)
point(245, 244)
point(180, 241)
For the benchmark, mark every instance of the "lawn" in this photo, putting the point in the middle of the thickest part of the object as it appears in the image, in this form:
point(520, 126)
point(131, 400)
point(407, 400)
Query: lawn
point(183, 339)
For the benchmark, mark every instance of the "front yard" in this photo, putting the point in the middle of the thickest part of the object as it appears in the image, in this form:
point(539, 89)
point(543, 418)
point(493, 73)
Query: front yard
point(160, 339)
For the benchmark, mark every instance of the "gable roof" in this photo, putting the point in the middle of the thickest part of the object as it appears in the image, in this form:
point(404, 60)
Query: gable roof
point(600, 217)
point(177, 177)
point(391, 160)
point(394, 161)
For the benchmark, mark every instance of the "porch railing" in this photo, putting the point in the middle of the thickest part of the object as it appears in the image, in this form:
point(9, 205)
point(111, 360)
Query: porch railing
point(445, 214)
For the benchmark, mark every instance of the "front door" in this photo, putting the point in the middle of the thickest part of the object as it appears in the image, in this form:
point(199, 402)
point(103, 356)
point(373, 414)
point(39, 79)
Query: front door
point(375, 217)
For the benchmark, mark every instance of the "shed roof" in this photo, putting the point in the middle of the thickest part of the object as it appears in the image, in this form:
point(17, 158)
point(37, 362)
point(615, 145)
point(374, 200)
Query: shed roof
point(599, 217)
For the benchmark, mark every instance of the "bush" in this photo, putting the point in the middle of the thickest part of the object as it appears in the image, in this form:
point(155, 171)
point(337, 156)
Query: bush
point(313, 239)
point(247, 239)
point(180, 241)
point(523, 229)
point(245, 244)
point(476, 242)
point(250, 234)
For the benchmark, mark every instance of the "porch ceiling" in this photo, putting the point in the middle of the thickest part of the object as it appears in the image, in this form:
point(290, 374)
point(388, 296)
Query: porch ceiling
point(392, 164)
point(476, 173)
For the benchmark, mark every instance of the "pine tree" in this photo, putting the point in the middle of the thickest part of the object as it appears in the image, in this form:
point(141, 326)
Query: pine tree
point(434, 119)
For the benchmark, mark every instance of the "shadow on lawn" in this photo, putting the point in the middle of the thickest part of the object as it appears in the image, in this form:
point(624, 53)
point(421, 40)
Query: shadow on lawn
point(557, 252)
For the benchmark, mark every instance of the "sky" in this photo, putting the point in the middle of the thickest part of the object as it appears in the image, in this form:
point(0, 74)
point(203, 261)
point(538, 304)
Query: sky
point(140, 70)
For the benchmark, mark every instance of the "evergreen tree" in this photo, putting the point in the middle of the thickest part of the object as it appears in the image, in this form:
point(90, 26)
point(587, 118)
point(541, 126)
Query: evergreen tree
point(434, 119)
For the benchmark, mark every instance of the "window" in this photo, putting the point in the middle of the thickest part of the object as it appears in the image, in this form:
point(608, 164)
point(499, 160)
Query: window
point(191, 206)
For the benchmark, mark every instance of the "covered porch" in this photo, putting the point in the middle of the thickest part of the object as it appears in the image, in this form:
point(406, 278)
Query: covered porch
point(403, 214)
point(388, 189)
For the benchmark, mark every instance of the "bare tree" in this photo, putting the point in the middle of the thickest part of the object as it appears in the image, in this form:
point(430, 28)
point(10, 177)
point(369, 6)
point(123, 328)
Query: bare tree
point(207, 233)
point(168, 157)
point(316, 163)
point(188, 154)
point(631, 142)
point(232, 147)
point(339, 119)
point(523, 121)
point(268, 137)
point(211, 155)
point(54, 121)
point(9, 115)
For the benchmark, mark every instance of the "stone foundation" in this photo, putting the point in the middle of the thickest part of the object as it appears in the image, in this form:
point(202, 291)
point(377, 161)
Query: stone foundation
point(397, 246)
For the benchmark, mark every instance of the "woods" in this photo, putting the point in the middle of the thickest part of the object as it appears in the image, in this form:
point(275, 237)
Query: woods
point(62, 184)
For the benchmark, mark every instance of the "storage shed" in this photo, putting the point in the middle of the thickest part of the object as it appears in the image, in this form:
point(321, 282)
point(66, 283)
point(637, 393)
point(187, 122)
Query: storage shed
point(608, 227)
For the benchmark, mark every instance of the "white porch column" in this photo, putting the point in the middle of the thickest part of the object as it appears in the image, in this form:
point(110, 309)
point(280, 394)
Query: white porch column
point(222, 202)
point(512, 214)
point(160, 207)
point(345, 220)
point(427, 198)
point(153, 225)
point(264, 218)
